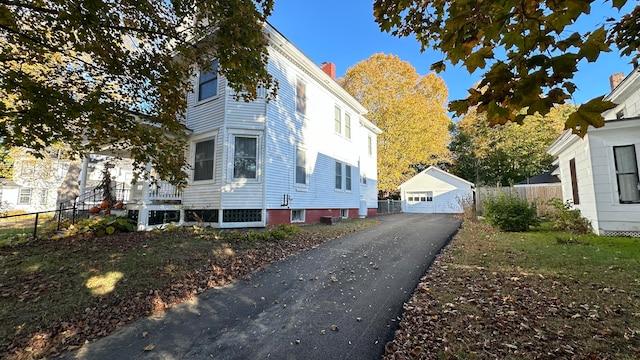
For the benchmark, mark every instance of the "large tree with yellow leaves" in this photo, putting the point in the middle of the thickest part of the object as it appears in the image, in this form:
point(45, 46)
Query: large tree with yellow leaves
point(409, 108)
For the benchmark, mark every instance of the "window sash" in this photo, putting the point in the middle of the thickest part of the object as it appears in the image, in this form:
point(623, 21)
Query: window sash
point(208, 82)
point(627, 174)
point(301, 97)
point(203, 160)
point(301, 167)
point(245, 158)
point(347, 177)
point(338, 182)
point(347, 126)
point(338, 120)
point(24, 198)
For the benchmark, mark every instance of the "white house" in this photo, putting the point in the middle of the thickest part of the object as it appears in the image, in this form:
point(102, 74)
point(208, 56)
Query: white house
point(35, 183)
point(309, 153)
point(435, 191)
point(599, 173)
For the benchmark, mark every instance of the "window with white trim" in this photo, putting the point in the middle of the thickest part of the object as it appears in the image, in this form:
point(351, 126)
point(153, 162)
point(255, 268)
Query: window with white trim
point(245, 157)
point(347, 126)
point(297, 215)
point(344, 213)
point(369, 145)
point(363, 178)
point(301, 166)
point(203, 160)
point(347, 177)
point(301, 97)
point(44, 196)
point(338, 120)
point(24, 197)
point(208, 82)
point(338, 182)
point(627, 174)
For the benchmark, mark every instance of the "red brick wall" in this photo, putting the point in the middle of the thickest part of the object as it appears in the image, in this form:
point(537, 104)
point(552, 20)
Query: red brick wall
point(311, 216)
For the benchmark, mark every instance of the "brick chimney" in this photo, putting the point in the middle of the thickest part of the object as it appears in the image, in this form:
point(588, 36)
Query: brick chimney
point(329, 68)
point(615, 80)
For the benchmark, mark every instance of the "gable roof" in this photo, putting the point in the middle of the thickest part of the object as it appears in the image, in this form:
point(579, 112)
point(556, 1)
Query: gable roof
point(433, 169)
point(545, 178)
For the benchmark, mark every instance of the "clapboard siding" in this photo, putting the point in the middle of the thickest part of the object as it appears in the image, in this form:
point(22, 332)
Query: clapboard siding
point(314, 132)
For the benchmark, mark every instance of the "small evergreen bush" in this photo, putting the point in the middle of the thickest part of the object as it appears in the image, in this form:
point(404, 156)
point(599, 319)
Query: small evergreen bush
point(564, 217)
point(510, 213)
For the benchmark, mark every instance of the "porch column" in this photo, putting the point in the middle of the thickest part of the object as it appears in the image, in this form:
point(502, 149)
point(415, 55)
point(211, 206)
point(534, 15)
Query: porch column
point(83, 175)
point(143, 212)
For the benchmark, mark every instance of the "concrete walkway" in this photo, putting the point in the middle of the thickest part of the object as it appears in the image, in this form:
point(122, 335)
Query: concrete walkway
point(341, 300)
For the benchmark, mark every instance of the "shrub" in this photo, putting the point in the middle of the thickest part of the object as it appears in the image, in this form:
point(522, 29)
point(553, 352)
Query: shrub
point(106, 225)
point(468, 208)
point(510, 213)
point(564, 217)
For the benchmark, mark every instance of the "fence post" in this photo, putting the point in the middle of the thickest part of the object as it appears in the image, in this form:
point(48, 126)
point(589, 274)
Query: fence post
point(73, 212)
point(35, 227)
point(59, 216)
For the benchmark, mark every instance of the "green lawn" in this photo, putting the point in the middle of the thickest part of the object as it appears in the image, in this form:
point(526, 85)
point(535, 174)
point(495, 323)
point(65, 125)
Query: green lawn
point(538, 294)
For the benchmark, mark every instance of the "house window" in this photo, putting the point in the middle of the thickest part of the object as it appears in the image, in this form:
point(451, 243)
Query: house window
point(297, 215)
point(245, 158)
point(627, 174)
point(27, 168)
point(24, 197)
point(344, 213)
point(44, 195)
point(338, 175)
point(347, 177)
point(338, 120)
point(203, 160)
point(208, 82)
point(574, 181)
point(301, 166)
point(301, 97)
point(429, 196)
point(363, 178)
point(370, 145)
point(347, 126)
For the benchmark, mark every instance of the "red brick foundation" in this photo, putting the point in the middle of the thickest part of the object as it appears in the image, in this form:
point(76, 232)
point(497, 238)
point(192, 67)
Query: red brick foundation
point(312, 216)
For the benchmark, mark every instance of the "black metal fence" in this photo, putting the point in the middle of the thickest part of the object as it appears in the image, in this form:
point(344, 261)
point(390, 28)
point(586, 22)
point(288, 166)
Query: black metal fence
point(389, 206)
point(29, 224)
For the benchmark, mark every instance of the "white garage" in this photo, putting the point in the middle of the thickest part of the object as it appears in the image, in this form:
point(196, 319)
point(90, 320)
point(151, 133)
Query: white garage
point(435, 191)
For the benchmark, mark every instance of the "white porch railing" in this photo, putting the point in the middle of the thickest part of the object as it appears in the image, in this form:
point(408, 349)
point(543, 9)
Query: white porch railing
point(164, 191)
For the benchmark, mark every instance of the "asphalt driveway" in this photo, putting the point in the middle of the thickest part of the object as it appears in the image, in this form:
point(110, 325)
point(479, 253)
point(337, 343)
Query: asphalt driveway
point(341, 300)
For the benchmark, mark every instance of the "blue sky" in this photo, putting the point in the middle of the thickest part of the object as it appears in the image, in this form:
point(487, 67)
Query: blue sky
point(344, 32)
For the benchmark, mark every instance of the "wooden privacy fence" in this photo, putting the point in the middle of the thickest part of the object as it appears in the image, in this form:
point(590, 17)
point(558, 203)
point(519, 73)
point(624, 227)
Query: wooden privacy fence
point(540, 194)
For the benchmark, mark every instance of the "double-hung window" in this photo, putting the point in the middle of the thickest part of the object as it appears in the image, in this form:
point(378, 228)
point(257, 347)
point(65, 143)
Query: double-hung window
point(301, 97)
point(208, 82)
point(338, 120)
point(347, 126)
point(301, 166)
point(627, 174)
point(203, 160)
point(245, 158)
point(347, 177)
point(24, 197)
point(338, 185)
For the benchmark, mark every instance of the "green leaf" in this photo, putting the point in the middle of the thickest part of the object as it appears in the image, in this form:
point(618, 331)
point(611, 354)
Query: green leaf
point(618, 4)
point(587, 114)
point(438, 66)
point(110, 230)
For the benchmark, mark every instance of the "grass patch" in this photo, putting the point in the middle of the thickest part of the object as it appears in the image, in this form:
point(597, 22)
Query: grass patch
point(56, 294)
point(539, 294)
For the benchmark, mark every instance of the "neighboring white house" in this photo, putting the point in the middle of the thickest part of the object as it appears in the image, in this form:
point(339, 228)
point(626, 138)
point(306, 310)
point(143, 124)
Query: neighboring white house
point(599, 173)
point(435, 191)
point(309, 153)
point(34, 184)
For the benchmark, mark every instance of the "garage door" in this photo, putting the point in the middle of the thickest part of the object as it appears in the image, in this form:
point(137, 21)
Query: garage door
point(419, 202)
